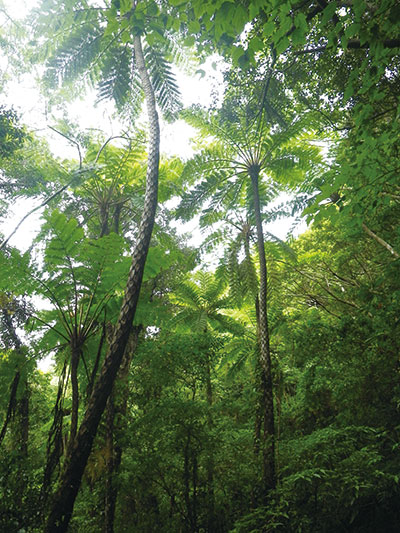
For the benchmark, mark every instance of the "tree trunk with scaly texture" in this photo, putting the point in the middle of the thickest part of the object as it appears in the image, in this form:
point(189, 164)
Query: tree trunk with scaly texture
point(268, 437)
point(75, 463)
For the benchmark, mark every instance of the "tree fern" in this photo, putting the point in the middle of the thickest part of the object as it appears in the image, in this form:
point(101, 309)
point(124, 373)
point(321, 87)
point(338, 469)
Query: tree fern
point(94, 45)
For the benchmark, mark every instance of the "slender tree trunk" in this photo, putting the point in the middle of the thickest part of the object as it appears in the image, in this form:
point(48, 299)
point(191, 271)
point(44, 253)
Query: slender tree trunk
point(21, 441)
point(117, 217)
point(14, 385)
point(268, 437)
point(23, 413)
point(210, 455)
point(191, 503)
point(55, 444)
point(75, 357)
point(109, 501)
point(194, 483)
point(104, 230)
point(96, 363)
point(63, 503)
point(18, 409)
point(11, 404)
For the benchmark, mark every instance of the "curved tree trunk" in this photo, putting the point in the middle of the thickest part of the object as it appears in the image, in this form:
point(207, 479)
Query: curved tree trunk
point(268, 437)
point(76, 460)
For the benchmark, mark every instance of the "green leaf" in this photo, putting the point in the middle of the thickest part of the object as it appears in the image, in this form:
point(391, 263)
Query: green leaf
point(282, 45)
point(194, 26)
point(328, 12)
point(269, 29)
point(237, 52)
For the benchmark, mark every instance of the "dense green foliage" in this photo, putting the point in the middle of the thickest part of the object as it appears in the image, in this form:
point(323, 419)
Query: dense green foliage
point(219, 420)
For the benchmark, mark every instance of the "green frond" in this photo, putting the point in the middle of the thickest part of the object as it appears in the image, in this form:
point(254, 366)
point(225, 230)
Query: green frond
point(211, 288)
point(76, 55)
point(238, 364)
point(276, 212)
point(232, 192)
point(235, 288)
point(282, 245)
point(214, 239)
point(179, 55)
point(198, 118)
point(210, 159)
point(183, 317)
point(225, 323)
point(268, 191)
point(120, 81)
point(210, 216)
point(187, 293)
point(239, 351)
point(67, 235)
point(164, 81)
point(202, 321)
point(192, 201)
point(249, 274)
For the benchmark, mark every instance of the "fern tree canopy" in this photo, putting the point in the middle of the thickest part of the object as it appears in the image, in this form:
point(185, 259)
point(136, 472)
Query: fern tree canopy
point(92, 46)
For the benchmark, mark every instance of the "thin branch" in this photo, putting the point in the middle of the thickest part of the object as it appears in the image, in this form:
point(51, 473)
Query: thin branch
point(380, 241)
point(56, 302)
point(353, 44)
point(105, 144)
point(72, 141)
point(43, 204)
point(310, 51)
point(35, 317)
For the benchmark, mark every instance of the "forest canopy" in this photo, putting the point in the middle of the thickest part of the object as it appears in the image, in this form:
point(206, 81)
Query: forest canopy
point(245, 383)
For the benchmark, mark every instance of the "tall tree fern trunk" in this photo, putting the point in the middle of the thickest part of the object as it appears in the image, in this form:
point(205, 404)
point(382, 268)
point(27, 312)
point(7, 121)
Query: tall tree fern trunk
point(75, 357)
point(75, 463)
point(268, 436)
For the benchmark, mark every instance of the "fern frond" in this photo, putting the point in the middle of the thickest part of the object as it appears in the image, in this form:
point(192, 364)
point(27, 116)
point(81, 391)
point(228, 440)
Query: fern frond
point(164, 81)
point(179, 55)
point(68, 235)
point(192, 201)
point(76, 54)
point(210, 216)
point(214, 239)
point(120, 81)
point(236, 292)
point(187, 294)
point(198, 118)
point(250, 279)
point(281, 244)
